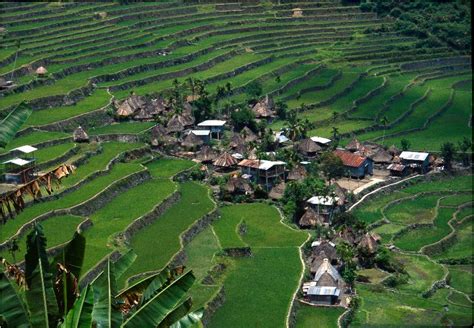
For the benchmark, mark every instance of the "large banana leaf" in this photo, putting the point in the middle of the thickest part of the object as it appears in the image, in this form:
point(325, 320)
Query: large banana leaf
point(12, 123)
point(123, 263)
point(106, 310)
point(189, 320)
point(69, 263)
point(138, 286)
point(162, 280)
point(41, 299)
point(72, 257)
point(177, 313)
point(40, 295)
point(80, 316)
point(153, 312)
point(12, 309)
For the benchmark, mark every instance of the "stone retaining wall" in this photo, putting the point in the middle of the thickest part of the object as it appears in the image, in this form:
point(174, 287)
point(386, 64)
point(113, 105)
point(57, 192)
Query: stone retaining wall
point(213, 305)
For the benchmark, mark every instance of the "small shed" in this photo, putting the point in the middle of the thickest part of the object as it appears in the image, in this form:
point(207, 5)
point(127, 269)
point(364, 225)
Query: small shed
point(297, 12)
point(41, 71)
point(398, 170)
point(215, 126)
point(80, 135)
point(204, 135)
point(238, 186)
point(324, 205)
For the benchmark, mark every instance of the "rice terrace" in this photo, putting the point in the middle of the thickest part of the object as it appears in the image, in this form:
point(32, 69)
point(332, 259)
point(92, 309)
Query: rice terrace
point(244, 163)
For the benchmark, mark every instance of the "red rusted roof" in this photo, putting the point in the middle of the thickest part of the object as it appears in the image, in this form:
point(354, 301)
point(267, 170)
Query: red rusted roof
point(253, 163)
point(350, 159)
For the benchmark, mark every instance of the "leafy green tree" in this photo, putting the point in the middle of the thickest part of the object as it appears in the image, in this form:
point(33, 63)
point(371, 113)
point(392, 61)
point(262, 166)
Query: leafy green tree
point(448, 149)
point(332, 166)
point(281, 109)
point(465, 145)
point(405, 144)
point(254, 89)
point(243, 117)
point(298, 192)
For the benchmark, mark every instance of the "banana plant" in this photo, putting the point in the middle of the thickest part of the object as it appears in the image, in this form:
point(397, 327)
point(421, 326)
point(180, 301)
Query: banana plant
point(10, 125)
point(43, 297)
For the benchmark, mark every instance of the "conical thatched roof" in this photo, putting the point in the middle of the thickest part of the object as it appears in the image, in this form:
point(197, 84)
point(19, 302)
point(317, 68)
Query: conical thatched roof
point(248, 135)
point(175, 124)
point(158, 131)
point(382, 156)
point(238, 185)
point(311, 219)
point(264, 108)
point(340, 193)
point(191, 141)
point(206, 154)
point(277, 191)
point(369, 243)
point(80, 135)
point(236, 141)
point(124, 110)
point(144, 113)
point(159, 105)
point(136, 102)
point(394, 151)
point(297, 173)
point(187, 119)
point(41, 70)
point(308, 146)
point(225, 160)
point(354, 145)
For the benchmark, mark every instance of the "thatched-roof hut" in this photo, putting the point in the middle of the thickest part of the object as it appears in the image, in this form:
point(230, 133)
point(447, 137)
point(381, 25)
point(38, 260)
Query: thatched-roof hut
point(264, 108)
point(354, 145)
point(80, 135)
point(297, 173)
point(308, 148)
point(206, 154)
point(175, 124)
point(159, 105)
point(238, 185)
point(277, 191)
point(192, 141)
point(236, 141)
point(158, 134)
point(394, 151)
point(382, 156)
point(368, 243)
point(311, 219)
point(225, 161)
point(248, 135)
point(41, 71)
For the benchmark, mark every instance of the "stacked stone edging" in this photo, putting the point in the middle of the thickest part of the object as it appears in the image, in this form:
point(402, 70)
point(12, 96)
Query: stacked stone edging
point(213, 305)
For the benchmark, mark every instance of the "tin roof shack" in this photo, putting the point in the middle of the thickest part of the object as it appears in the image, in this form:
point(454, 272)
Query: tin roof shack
point(356, 166)
point(326, 285)
point(20, 169)
point(324, 206)
point(263, 171)
point(204, 135)
point(397, 170)
point(216, 127)
point(415, 161)
point(322, 142)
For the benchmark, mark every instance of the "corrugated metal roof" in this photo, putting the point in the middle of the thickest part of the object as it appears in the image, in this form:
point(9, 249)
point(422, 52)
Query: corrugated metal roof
point(18, 161)
point(350, 159)
point(201, 132)
point(323, 200)
point(323, 291)
point(321, 140)
point(413, 156)
point(26, 149)
point(260, 164)
point(212, 123)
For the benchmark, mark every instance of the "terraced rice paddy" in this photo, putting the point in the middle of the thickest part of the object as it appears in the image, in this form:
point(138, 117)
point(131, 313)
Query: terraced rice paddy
point(442, 209)
point(343, 69)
